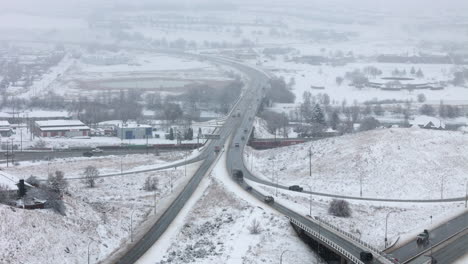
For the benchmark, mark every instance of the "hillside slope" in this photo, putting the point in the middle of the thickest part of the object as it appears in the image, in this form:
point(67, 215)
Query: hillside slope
point(392, 163)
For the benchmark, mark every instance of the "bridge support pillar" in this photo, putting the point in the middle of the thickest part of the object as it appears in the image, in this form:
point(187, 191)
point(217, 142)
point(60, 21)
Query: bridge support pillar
point(343, 260)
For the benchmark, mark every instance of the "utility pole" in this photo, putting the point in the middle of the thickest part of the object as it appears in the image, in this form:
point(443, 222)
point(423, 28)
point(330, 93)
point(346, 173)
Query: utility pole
point(7, 153)
point(21, 136)
point(146, 144)
point(12, 154)
point(310, 161)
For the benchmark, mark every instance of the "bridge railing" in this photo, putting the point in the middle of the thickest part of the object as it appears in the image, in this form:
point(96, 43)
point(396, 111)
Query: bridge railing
point(327, 241)
point(356, 239)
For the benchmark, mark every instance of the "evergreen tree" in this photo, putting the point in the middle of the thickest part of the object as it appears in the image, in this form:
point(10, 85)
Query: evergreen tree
point(335, 120)
point(419, 73)
point(171, 134)
point(317, 115)
point(413, 71)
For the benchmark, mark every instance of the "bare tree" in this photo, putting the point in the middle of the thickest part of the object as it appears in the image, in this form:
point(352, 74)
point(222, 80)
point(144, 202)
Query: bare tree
point(91, 173)
point(57, 183)
point(151, 184)
point(255, 228)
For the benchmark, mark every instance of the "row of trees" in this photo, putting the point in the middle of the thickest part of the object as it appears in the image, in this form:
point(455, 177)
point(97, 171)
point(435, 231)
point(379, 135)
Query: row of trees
point(128, 104)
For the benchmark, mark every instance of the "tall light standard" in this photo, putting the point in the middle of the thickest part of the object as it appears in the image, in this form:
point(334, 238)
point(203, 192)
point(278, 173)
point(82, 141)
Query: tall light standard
point(155, 204)
point(386, 222)
point(281, 256)
point(310, 161)
point(131, 226)
point(466, 194)
point(90, 241)
point(121, 157)
point(310, 200)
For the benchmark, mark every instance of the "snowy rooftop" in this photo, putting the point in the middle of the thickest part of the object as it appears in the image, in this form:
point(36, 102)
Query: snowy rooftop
point(8, 181)
point(136, 126)
point(59, 123)
point(4, 123)
point(61, 128)
point(424, 120)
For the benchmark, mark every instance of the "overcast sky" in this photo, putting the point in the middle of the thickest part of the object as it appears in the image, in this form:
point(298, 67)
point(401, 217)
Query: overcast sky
point(398, 7)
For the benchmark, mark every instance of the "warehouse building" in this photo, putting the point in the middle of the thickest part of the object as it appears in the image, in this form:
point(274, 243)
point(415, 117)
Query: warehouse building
point(61, 128)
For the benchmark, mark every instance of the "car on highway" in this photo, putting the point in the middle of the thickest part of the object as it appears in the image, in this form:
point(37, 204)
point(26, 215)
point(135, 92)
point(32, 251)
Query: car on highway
point(9, 154)
point(88, 154)
point(238, 175)
point(245, 130)
point(296, 188)
point(248, 188)
point(269, 199)
point(97, 150)
point(236, 145)
point(366, 256)
point(423, 238)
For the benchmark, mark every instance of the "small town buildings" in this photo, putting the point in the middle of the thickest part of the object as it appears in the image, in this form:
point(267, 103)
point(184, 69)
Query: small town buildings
point(61, 128)
point(134, 131)
point(428, 122)
point(5, 129)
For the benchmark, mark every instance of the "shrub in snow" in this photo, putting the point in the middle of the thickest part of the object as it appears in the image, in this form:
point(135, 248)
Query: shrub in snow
point(255, 228)
point(91, 173)
point(151, 184)
point(369, 123)
point(4, 194)
point(339, 208)
point(40, 144)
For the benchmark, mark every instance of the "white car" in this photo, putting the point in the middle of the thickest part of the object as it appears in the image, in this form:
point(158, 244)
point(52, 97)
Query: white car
point(97, 150)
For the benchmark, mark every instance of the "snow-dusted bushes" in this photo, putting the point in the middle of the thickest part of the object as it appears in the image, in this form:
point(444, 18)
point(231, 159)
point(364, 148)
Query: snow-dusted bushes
point(339, 208)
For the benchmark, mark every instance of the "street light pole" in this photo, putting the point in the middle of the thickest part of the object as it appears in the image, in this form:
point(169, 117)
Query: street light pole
point(310, 161)
point(131, 226)
point(120, 164)
point(386, 222)
point(466, 194)
point(91, 241)
point(281, 256)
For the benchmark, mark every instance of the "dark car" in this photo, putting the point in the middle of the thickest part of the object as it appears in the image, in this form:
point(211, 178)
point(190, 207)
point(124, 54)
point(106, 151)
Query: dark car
point(236, 145)
point(238, 175)
point(248, 188)
point(366, 256)
point(88, 154)
point(269, 199)
point(296, 188)
point(423, 238)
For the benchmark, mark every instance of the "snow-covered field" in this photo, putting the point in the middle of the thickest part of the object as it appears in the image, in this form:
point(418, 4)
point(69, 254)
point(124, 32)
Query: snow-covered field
point(98, 217)
point(390, 163)
point(306, 75)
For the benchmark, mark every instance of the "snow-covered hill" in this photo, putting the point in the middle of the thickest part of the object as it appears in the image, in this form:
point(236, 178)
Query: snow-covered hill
point(392, 163)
